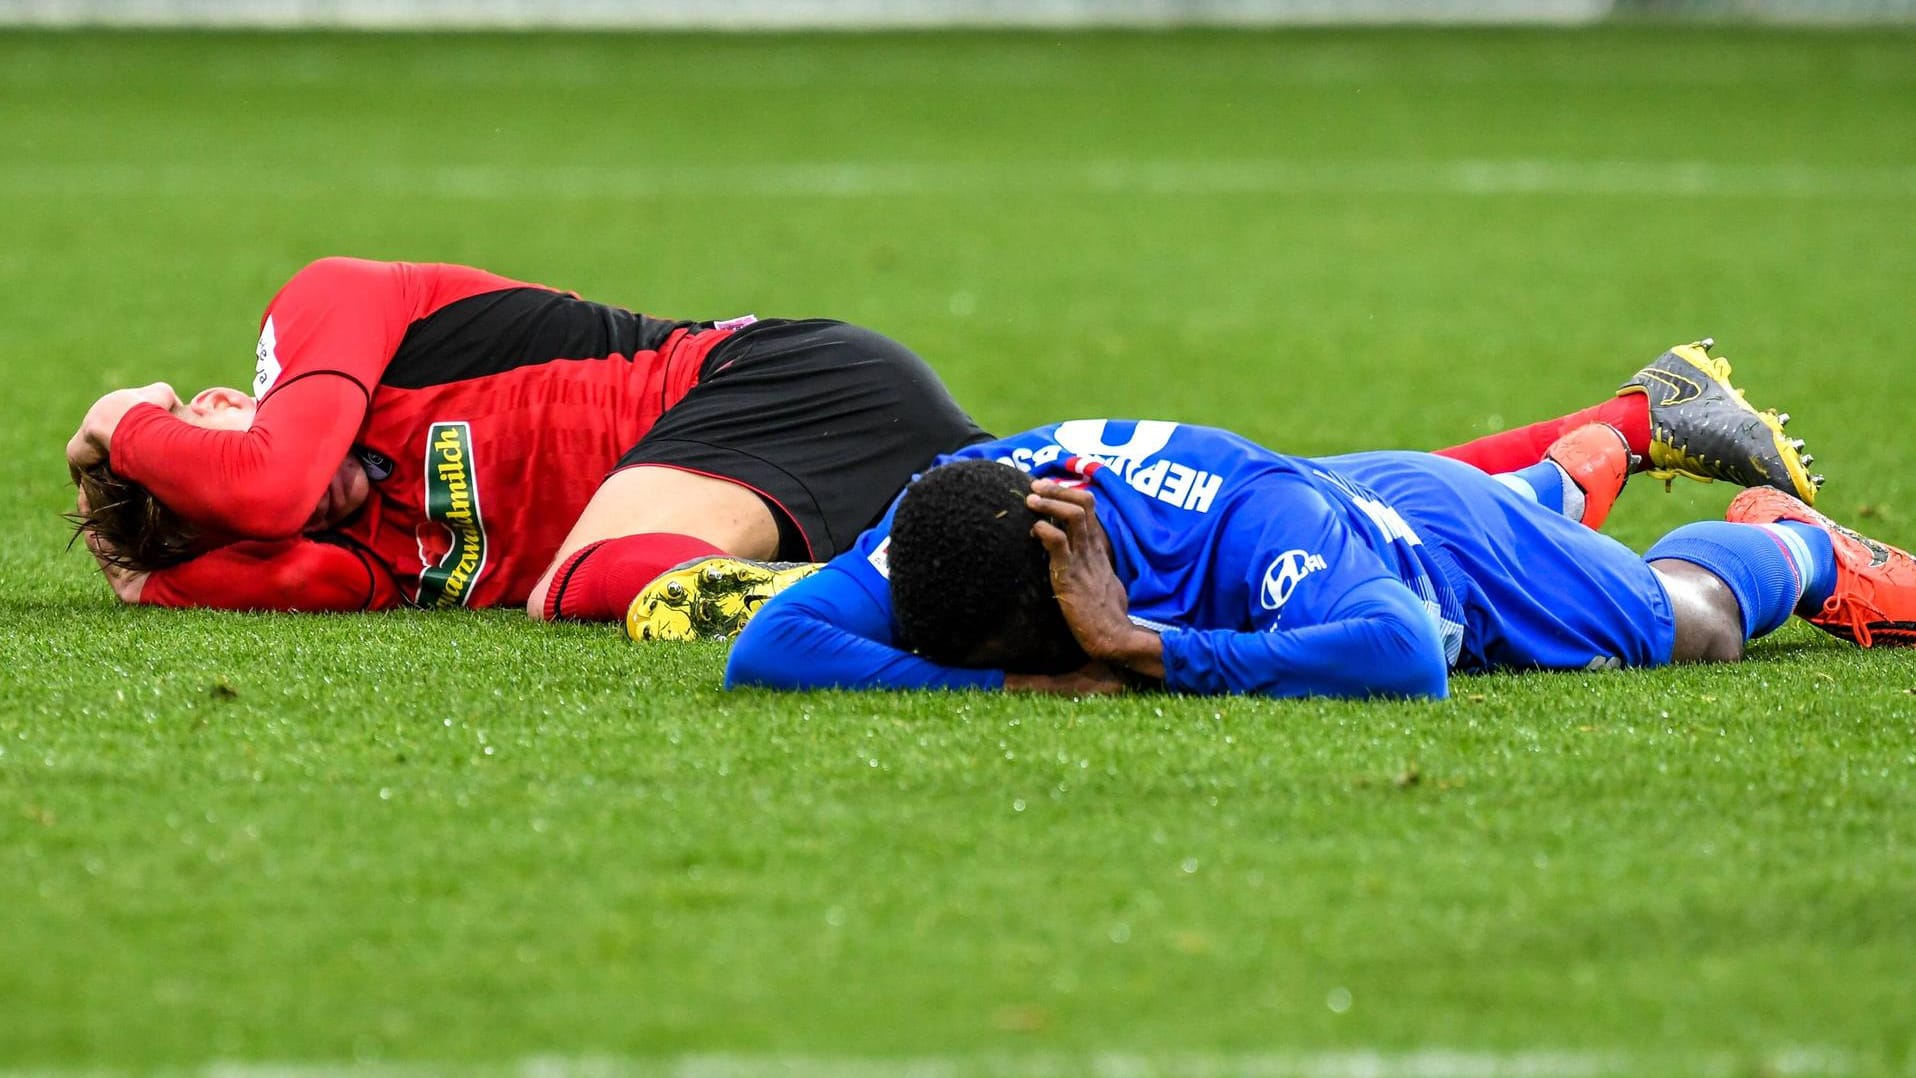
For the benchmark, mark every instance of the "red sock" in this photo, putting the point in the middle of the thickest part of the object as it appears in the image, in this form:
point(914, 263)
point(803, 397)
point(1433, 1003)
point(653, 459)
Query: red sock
point(601, 579)
point(1520, 448)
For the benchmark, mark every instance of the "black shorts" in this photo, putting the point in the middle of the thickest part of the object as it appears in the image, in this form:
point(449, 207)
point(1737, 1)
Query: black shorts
point(825, 421)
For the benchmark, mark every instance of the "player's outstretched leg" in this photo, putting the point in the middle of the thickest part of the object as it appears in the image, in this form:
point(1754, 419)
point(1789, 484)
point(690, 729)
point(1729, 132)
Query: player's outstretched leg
point(1679, 416)
point(709, 597)
point(1701, 427)
point(1872, 598)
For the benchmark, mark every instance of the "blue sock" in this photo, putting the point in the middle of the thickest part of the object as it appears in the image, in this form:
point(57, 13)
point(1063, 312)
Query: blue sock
point(1814, 553)
point(1548, 485)
point(1770, 568)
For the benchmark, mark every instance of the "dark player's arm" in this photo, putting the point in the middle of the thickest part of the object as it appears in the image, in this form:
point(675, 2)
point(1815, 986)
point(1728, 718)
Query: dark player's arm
point(261, 483)
point(829, 632)
point(294, 575)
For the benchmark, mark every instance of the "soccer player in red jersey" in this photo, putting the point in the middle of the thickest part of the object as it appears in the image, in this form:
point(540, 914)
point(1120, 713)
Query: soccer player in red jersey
point(441, 436)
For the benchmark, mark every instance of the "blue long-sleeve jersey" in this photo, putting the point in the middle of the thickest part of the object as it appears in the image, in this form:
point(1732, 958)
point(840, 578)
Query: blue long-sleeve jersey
point(1367, 574)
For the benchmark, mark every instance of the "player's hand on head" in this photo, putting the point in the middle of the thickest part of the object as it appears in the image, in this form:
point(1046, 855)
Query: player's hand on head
point(1083, 576)
point(126, 583)
point(89, 444)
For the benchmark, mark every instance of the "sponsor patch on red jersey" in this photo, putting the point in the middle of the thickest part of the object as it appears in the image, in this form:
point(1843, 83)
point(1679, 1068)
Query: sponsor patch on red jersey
point(452, 541)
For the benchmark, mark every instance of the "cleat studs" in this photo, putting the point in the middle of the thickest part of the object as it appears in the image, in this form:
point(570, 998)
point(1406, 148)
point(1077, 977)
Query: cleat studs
point(1809, 459)
point(675, 589)
point(1817, 481)
point(714, 575)
point(1706, 343)
point(1796, 444)
point(1782, 419)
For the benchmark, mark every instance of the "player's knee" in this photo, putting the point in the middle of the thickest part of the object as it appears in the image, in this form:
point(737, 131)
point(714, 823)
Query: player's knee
point(536, 602)
point(1709, 621)
point(1714, 635)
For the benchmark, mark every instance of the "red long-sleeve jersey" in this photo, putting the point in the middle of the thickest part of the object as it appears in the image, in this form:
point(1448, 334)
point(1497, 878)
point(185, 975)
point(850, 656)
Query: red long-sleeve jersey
point(484, 410)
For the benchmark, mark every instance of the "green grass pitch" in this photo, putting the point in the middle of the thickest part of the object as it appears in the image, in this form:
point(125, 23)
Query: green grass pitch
point(467, 844)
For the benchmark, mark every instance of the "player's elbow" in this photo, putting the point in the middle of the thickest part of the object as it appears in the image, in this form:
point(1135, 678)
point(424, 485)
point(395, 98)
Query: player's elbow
point(751, 663)
point(766, 654)
point(304, 592)
point(1415, 665)
point(1425, 679)
point(335, 272)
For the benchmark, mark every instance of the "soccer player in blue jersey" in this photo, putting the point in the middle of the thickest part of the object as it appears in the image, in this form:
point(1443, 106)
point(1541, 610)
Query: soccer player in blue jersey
point(1679, 415)
point(1095, 554)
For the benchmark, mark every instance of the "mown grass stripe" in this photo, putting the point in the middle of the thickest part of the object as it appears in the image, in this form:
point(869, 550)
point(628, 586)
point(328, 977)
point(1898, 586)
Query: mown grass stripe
point(875, 179)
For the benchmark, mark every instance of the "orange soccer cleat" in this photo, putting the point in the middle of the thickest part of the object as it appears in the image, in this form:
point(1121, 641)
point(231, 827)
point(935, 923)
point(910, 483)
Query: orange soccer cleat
point(1875, 598)
point(1597, 458)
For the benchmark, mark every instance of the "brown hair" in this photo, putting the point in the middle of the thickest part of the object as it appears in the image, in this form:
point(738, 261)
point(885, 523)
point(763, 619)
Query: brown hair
point(133, 530)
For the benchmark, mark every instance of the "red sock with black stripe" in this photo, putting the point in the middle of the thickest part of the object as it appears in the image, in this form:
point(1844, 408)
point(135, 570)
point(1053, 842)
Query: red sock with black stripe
point(601, 579)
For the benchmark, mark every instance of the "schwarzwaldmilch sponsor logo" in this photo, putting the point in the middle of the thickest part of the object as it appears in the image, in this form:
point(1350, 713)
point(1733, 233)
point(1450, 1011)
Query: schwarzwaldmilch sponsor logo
point(452, 503)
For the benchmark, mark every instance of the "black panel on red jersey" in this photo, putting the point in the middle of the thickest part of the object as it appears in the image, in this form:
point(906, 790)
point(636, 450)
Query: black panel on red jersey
point(500, 331)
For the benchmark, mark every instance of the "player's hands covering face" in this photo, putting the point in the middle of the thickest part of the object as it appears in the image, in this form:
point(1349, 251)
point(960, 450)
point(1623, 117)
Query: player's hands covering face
point(1085, 579)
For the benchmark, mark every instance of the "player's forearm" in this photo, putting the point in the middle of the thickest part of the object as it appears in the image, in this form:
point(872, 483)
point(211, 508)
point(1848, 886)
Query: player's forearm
point(262, 483)
point(1386, 654)
point(301, 576)
point(1137, 649)
point(228, 481)
point(793, 646)
point(783, 652)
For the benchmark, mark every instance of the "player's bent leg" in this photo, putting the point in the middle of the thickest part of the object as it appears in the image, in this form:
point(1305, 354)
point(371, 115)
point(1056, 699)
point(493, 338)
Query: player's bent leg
point(1709, 623)
point(648, 520)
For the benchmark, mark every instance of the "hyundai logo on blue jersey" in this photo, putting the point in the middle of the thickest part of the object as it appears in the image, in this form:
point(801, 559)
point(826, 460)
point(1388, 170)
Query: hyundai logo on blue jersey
point(1286, 572)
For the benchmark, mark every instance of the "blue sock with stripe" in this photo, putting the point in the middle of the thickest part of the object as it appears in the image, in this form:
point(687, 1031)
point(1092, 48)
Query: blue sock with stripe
point(1772, 569)
point(1814, 553)
point(1548, 485)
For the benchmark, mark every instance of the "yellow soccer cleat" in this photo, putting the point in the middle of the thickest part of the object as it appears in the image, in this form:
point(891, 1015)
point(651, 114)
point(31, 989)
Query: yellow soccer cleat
point(709, 598)
point(1701, 427)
